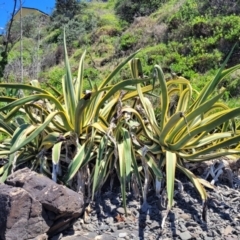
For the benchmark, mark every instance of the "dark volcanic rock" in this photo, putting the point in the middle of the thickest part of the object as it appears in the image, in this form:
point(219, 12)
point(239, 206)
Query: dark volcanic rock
point(55, 198)
point(33, 205)
point(21, 216)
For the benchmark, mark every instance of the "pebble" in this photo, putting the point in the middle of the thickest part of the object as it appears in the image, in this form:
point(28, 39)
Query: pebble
point(183, 222)
point(210, 234)
point(74, 238)
point(208, 238)
point(113, 228)
point(87, 220)
point(185, 216)
point(238, 227)
point(185, 235)
point(80, 233)
point(106, 237)
point(228, 230)
point(232, 237)
point(182, 227)
point(109, 220)
point(103, 227)
point(94, 218)
point(120, 225)
point(121, 210)
point(89, 227)
point(77, 226)
point(133, 235)
point(149, 221)
point(122, 235)
point(191, 224)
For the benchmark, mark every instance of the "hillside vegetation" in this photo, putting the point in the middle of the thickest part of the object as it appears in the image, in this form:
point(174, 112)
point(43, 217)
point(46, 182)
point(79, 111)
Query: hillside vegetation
point(190, 38)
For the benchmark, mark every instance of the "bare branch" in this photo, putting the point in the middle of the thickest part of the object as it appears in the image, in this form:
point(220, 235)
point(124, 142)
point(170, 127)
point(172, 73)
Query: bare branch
point(4, 54)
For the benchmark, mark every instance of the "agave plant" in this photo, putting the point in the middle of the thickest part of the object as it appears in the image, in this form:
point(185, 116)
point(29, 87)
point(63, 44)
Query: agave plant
point(98, 128)
point(199, 128)
point(120, 148)
point(32, 154)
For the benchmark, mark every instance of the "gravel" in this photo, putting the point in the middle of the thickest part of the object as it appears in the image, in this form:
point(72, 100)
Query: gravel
point(107, 221)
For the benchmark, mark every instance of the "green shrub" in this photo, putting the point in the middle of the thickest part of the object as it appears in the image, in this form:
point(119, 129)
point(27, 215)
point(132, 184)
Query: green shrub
point(111, 31)
point(127, 41)
point(53, 36)
point(108, 20)
point(53, 77)
point(128, 9)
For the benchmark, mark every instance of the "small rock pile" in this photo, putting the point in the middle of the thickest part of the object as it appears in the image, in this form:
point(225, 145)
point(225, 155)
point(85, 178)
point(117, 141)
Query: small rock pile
point(106, 220)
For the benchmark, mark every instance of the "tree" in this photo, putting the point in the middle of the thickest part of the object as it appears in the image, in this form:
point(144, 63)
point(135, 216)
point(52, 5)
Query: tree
point(128, 9)
point(67, 8)
point(4, 53)
point(72, 15)
point(21, 42)
point(26, 62)
point(65, 11)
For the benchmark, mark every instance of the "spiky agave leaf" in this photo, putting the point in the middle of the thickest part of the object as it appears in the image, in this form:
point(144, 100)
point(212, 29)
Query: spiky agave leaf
point(188, 133)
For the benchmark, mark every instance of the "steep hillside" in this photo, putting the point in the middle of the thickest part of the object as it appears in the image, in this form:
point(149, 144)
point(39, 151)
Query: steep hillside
point(188, 37)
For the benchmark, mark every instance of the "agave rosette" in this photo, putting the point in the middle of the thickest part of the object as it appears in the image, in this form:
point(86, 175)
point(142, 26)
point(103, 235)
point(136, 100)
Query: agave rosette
point(199, 128)
point(97, 124)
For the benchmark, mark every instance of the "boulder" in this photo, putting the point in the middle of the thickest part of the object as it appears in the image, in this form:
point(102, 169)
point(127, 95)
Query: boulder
point(32, 205)
point(21, 216)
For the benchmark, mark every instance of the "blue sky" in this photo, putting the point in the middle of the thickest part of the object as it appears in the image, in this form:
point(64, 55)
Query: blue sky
point(6, 7)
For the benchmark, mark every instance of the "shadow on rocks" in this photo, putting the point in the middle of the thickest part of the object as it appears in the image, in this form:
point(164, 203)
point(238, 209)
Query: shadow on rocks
point(150, 221)
point(220, 209)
